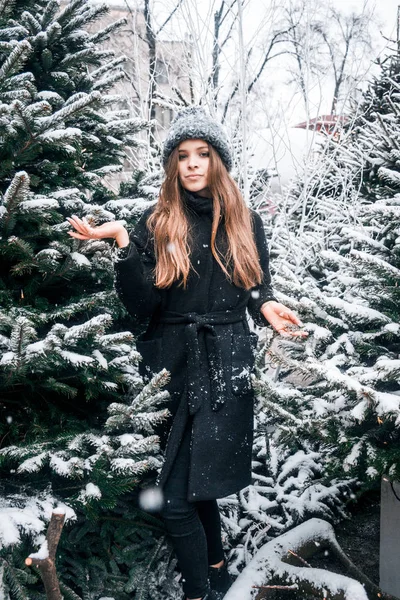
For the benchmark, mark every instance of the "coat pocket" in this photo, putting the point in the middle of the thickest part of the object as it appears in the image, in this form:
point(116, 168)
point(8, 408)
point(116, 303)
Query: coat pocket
point(150, 351)
point(243, 356)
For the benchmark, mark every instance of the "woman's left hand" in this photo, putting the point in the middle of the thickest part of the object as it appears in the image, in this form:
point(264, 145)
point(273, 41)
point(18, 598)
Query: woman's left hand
point(282, 319)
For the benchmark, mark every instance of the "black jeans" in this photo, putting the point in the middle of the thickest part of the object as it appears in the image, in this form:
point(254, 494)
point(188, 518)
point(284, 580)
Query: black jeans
point(194, 527)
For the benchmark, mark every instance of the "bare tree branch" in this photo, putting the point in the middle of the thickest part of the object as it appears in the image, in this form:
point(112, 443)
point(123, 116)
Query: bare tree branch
point(219, 18)
point(297, 51)
point(180, 96)
point(132, 15)
point(228, 36)
point(275, 40)
point(267, 57)
point(169, 17)
point(339, 33)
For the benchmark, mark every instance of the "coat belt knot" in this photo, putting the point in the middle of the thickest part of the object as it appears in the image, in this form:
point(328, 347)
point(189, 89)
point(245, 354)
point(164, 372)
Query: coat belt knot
point(196, 322)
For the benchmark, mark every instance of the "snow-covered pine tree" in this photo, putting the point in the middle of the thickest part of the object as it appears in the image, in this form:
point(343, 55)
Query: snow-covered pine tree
point(291, 478)
point(364, 281)
point(65, 350)
point(96, 473)
point(60, 135)
point(343, 243)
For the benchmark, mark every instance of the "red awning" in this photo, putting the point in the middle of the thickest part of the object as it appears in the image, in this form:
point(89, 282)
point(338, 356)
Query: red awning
point(327, 123)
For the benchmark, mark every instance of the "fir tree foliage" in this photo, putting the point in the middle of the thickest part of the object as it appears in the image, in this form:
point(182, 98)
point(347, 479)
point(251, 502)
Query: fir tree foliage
point(98, 473)
point(137, 194)
point(124, 448)
point(337, 261)
point(76, 423)
point(60, 136)
point(334, 389)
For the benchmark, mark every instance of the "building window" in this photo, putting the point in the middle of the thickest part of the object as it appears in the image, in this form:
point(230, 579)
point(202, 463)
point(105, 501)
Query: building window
point(161, 72)
point(164, 116)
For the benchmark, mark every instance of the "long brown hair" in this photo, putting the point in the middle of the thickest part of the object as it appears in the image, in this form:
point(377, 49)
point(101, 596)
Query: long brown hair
point(169, 224)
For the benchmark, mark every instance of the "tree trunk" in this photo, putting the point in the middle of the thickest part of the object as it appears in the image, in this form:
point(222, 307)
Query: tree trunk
point(151, 43)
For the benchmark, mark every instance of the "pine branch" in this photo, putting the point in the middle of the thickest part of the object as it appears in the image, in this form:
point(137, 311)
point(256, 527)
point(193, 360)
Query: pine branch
point(15, 194)
point(71, 108)
point(13, 62)
point(102, 35)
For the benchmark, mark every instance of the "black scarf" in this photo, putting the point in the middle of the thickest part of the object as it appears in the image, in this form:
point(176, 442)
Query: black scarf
point(198, 204)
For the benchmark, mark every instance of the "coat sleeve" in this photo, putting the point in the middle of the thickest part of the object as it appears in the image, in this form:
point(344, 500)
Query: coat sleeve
point(134, 273)
point(263, 292)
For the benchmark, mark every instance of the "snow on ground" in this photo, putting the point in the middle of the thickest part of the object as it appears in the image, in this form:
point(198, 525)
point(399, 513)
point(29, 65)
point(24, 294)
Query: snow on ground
point(268, 561)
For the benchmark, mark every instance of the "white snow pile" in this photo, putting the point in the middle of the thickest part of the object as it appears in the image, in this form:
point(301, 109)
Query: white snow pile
point(21, 516)
point(90, 492)
point(42, 553)
point(357, 314)
point(80, 259)
point(269, 562)
point(39, 203)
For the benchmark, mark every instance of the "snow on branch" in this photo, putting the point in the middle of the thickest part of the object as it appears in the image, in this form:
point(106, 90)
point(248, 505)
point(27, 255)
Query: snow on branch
point(277, 563)
point(356, 312)
point(16, 192)
point(21, 516)
point(13, 62)
point(370, 260)
point(68, 109)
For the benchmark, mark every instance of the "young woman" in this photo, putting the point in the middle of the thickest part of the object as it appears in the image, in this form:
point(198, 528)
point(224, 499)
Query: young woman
point(196, 262)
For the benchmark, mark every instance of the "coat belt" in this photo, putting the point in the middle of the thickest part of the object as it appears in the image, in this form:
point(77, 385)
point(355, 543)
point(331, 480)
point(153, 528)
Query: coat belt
point(196, 322)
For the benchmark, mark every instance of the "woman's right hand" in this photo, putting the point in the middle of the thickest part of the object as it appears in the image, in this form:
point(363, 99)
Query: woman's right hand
point(111, 229)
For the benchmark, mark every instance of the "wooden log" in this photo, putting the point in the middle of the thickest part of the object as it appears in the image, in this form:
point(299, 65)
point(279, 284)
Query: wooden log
point(45, 559)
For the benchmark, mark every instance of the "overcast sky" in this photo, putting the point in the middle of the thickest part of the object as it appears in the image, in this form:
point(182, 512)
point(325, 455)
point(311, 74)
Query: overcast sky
point(386, 9)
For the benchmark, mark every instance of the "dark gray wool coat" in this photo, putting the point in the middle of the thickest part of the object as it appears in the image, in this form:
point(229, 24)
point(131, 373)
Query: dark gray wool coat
point(201, 336)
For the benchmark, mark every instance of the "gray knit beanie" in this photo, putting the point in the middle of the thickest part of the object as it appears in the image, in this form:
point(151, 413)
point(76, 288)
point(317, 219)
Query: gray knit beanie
point(193, 123)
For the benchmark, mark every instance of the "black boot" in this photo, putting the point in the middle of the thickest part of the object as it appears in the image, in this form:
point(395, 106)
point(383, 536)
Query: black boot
point(219, 578)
